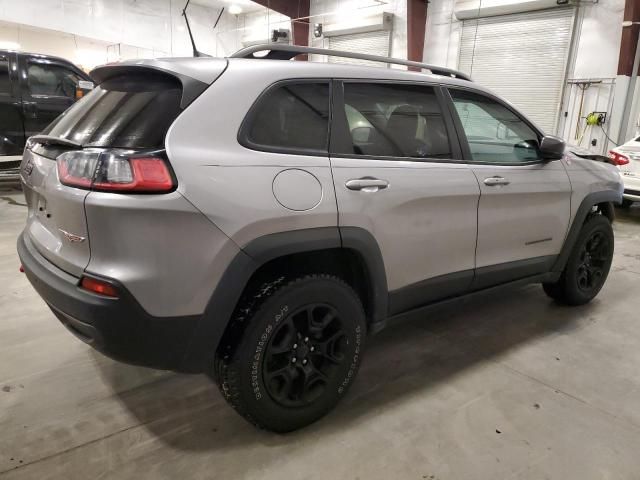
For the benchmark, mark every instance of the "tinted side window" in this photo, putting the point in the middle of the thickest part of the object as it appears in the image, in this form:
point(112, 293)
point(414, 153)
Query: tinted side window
point(51, 80)
point(495, 134)
point(5, 82)
point(292, 116)
point(395, 121)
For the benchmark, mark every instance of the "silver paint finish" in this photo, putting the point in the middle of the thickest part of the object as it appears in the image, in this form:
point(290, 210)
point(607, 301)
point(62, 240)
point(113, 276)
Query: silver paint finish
point(171, 250)
point(588, 176)
point(424, 221)
point(297, 189)
point(529, 203)
point(233, 185)
point(54, 209)
point(162, 249)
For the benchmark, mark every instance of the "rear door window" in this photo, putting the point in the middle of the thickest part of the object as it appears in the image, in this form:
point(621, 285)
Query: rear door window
point(394, 120)
point(133, 111)
point(290, 117)
point(44, 79)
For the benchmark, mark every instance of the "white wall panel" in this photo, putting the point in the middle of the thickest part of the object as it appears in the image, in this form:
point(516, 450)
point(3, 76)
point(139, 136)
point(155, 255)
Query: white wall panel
point(522, 57)
point(343, 11)
point(370, 43)
point(154, 25)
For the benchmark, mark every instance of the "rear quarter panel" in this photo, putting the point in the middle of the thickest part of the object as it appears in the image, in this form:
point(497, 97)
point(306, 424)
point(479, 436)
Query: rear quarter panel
point(231, 184)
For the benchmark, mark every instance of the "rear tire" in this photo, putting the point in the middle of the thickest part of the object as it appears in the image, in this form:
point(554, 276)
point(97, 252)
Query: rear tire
point(296, 354)
point(587, 266)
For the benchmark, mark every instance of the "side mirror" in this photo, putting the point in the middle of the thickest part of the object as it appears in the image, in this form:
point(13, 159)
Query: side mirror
point(552, 148)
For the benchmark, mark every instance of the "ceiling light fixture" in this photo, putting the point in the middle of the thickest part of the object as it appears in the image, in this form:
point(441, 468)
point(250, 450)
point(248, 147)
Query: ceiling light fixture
point(235, 9)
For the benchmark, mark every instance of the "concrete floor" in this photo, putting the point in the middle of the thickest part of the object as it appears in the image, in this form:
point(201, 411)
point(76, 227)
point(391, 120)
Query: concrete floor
point(507, 386)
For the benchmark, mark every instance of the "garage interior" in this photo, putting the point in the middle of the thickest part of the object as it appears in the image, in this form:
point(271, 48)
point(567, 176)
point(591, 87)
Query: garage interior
point(507, 385)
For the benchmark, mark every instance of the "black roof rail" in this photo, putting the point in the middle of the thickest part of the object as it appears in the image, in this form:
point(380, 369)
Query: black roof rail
point(287, 52)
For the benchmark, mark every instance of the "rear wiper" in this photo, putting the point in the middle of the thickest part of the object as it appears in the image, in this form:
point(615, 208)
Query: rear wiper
point(51, 140)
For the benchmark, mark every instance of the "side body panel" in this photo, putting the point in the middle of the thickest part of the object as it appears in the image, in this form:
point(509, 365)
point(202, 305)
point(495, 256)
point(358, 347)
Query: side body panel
point(161, 248)
point(424, 221)
point(231, 184)
point(587, 177)
point(524, 219)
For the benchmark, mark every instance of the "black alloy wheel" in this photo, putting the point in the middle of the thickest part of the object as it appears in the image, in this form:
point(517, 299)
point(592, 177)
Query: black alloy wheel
point(304, 351)
point(594, 258)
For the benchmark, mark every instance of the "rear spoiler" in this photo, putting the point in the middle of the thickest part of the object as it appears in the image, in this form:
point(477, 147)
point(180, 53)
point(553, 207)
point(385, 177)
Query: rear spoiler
point(194, 78)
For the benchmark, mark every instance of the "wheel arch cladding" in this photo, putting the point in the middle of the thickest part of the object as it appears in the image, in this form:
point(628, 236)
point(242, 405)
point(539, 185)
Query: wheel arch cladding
point(295, 251)
point(604, 199)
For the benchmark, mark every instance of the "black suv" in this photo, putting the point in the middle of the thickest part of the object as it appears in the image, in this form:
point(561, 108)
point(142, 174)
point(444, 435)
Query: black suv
point(34, 90)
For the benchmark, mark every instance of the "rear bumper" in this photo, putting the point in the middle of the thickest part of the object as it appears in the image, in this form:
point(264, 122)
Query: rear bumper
point(633, 195)
point(120, 328)
point(631, 186)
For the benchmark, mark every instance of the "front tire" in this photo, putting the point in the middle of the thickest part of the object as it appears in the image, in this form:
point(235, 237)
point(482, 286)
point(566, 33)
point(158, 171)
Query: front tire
point(587, 266)
point(297, 354)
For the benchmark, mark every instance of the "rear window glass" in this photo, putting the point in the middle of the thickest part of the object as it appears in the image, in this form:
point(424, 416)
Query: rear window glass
point(294, 116)
point(124, 112)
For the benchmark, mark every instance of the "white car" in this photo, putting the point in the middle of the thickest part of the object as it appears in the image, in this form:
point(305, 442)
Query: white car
point(627, 157)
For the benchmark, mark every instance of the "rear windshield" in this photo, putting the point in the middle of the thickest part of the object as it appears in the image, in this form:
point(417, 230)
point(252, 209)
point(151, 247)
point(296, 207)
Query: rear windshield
point(123, 112)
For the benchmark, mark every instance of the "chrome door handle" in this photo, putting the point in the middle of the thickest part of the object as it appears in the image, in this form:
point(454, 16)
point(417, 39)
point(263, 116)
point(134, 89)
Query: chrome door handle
point(495, 181)
point(366, 184)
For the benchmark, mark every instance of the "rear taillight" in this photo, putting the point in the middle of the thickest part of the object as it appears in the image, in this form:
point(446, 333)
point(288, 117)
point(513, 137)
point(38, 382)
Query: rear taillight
point(618, 158)
point(115, 171)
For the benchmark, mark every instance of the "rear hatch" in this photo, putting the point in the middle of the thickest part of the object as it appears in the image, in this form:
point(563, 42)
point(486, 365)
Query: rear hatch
point(127, 115)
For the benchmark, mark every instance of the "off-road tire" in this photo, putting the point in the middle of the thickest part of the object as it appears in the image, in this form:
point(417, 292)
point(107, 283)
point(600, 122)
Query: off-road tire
point(273, 319)
point(576, 286)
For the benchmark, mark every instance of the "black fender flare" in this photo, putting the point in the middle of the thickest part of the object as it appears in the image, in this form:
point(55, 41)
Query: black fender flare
point(210, 328)
point(588, 202)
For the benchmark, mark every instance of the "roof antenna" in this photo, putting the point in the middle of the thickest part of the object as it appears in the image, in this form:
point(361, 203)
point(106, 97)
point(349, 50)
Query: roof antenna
point(196, 53)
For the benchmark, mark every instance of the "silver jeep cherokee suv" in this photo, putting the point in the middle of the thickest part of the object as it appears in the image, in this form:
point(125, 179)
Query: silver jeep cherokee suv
point(256, 219)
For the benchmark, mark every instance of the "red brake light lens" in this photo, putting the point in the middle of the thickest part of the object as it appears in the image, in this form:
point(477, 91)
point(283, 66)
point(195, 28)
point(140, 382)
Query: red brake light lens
point(618, 158)
point(115, 172)
point(99, 287)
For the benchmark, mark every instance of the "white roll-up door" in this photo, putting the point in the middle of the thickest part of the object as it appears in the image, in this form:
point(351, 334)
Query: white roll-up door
point(370, 43)
point(522, 57)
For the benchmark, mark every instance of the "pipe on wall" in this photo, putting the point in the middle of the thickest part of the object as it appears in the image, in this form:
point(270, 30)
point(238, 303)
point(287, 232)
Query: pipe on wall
point(416, 25)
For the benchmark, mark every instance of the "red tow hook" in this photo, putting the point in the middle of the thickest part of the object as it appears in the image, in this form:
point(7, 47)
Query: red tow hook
point(21, 269)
